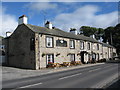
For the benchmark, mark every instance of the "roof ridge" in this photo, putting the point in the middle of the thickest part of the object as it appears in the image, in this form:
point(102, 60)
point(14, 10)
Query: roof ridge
point(62, 33)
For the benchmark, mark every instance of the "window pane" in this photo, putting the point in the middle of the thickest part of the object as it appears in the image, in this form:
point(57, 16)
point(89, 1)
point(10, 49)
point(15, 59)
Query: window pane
point(49, 41)
point(81, 45)
point(72, 44)
point(50, 58)
point(72, 57)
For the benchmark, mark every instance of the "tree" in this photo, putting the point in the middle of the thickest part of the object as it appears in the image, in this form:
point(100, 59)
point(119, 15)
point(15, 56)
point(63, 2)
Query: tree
point(116, 38)
point(108, 35)
point(88, 31)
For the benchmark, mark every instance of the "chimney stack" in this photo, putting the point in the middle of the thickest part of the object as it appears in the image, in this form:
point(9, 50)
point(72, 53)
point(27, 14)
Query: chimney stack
point(22, 20)
point(73, 30)
point(48, 25)
point(92, 36)
point(8, 34)
point(107, 42)
point(101, 39)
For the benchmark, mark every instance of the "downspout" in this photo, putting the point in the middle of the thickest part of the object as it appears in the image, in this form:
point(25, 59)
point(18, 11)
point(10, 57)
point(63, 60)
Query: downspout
point(39, 49)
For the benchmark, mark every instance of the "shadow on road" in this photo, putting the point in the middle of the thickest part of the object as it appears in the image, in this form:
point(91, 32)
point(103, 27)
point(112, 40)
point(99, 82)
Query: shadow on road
point(115, 85)
point(113, 61)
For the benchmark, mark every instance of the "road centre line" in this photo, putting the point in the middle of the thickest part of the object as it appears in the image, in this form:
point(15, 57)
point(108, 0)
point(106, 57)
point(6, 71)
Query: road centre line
point(28, 86)
point(99, 68)
point(69, 76)
point(94, 70)
point(108, 66)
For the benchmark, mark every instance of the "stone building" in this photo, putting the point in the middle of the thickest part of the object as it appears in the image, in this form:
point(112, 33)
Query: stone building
point(32, 47)
point(2, 52)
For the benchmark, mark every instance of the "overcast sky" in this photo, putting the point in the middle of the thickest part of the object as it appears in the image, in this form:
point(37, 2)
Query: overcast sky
point(63, 15)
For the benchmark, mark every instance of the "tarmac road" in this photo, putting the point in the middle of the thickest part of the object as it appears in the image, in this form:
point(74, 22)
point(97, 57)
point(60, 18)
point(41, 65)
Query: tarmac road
point(88, 77)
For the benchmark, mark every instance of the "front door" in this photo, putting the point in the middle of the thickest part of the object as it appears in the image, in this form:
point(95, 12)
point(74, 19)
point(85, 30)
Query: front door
point(94, 57)
point(82, 57)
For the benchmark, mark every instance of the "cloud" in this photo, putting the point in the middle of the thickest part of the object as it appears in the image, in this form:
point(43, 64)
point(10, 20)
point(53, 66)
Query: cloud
point(41, 6)
point(86, 15)
point(9, 22)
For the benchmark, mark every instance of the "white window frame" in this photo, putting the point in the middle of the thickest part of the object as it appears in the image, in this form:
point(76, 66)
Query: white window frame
point(98, 47)
point(93, 46)
point(72, 44)
point(88, 46)
point(49, 41)
point(72, 57)
point(50, 58)
point(81, 45)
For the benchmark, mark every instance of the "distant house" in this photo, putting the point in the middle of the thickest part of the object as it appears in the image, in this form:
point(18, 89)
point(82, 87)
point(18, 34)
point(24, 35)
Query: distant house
point(33, 47)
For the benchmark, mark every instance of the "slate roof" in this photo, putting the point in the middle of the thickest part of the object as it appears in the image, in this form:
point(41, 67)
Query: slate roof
point(61, 33)
point(107, 45)
point(1, 40)
point(58, 32)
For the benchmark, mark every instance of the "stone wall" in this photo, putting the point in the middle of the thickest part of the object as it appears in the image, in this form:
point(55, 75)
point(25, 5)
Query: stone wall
point(19, 52)
point(63, 51)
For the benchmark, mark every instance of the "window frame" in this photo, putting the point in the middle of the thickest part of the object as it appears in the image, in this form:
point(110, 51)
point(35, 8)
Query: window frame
point(72, 43)
point(82, 45)
point(88, 45)
point(51, 42)
point(98, 47)
point(72, 57)
point(32, 44)
point(52, 55)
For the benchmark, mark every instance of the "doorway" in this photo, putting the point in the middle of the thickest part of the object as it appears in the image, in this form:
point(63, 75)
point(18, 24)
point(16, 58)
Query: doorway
point(82, 57)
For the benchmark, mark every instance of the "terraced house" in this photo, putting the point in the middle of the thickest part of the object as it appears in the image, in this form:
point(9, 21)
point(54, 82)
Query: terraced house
point(34, 47)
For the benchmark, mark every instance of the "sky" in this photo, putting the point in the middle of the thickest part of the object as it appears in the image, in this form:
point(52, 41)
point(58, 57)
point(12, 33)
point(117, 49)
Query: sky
point(63, 15)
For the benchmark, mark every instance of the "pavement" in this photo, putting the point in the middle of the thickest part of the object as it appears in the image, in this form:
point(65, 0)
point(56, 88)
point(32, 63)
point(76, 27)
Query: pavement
point(10, 73)
point(86, 76)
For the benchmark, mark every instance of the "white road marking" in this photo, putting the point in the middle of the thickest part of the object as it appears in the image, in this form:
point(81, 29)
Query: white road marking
point(69, 76)
point(108, 66)
point(94, 70)
point(28, 86)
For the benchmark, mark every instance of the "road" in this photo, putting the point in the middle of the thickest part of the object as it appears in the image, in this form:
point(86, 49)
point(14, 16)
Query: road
point(88, 77)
